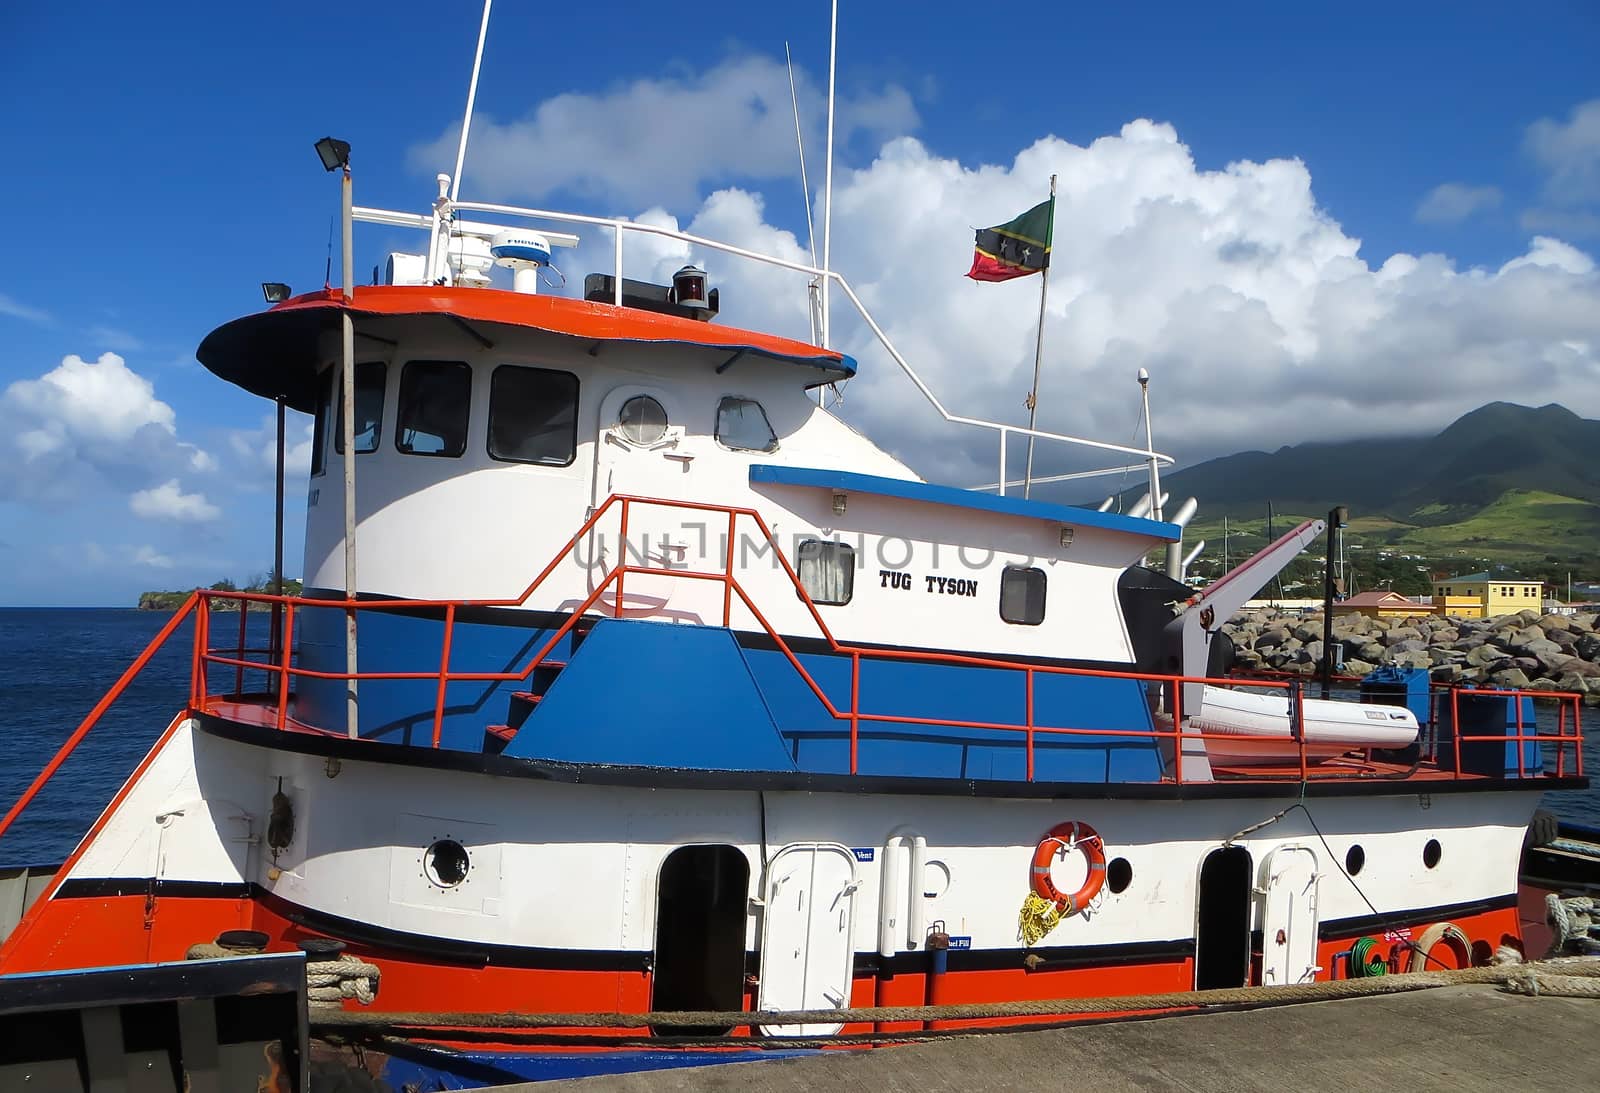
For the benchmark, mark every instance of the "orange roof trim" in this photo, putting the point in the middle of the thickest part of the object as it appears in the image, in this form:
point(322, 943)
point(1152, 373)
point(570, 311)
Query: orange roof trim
point(273, 353)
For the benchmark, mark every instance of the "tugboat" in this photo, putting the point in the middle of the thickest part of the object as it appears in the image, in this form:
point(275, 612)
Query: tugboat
point(663, 690)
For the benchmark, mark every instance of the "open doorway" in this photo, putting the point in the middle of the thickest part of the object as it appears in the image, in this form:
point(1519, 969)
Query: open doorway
point(1222, 920)
point(701, 909)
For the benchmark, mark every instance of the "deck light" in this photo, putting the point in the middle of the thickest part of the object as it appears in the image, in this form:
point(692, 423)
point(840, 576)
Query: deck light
point(275, 291)
point(335, 153)
point(689, 287)
point(1066, 537)
point(840, 500)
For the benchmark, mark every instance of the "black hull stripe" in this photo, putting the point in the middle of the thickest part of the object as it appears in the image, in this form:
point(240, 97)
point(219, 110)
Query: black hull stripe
point(1358, 925)
point(374, 751)
point(478, 954)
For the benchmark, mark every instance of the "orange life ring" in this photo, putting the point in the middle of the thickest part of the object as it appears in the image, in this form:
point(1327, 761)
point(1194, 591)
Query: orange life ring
point(1447, 934)
point(1074, 835)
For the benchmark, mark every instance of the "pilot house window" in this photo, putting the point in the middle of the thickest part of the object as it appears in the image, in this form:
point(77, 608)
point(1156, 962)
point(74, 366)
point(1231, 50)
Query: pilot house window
point(434, 399)
point(742, 424)
point(533, 415)
point(371, 376)
point(827, 570)
point(1022, 595)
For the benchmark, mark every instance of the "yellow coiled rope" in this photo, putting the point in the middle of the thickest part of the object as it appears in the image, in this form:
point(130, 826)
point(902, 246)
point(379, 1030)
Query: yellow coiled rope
point(1036, 919)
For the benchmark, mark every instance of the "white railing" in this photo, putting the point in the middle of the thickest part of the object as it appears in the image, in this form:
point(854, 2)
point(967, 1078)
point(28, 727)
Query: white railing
point(442, 221)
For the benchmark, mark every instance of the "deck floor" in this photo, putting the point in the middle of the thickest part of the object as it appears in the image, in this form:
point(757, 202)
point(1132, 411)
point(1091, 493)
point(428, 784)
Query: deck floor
point(1467, 1039)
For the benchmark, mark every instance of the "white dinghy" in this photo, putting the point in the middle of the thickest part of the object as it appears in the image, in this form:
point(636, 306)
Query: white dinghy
point(1257, 727)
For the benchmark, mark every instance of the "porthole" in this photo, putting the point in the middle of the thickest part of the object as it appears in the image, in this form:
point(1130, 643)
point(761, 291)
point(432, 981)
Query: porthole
point(642, 420)
point(1119, 874)
point(446, 863)
point(1431, 853)
point(1354, 859)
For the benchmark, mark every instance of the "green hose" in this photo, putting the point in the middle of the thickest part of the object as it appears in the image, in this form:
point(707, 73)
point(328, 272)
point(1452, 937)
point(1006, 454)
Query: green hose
point(1364, 962)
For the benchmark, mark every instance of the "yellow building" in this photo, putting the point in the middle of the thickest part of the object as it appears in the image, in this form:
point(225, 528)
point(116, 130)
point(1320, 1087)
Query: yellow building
point(1480, 595)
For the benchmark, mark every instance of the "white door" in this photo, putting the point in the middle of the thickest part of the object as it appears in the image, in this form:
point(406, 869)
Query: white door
point(1289, 917)
point(641, 452)
point(807, 957)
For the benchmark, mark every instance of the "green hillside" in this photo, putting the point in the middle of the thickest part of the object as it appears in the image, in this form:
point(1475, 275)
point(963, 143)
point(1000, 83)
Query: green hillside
point(1505, 485)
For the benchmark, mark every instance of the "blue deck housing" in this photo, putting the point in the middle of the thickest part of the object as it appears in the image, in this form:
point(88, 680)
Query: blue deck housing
point(641, 693)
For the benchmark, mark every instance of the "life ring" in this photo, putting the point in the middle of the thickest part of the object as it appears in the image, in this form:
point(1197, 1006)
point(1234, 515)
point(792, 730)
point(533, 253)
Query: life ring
point(1448, 933)
point(1074, 835)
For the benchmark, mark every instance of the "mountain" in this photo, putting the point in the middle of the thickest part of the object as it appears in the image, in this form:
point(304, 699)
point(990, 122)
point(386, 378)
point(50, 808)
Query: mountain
point(1504, 483)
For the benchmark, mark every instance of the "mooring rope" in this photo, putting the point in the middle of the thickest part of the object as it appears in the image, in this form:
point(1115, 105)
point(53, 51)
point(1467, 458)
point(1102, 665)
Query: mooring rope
point(1323, 991)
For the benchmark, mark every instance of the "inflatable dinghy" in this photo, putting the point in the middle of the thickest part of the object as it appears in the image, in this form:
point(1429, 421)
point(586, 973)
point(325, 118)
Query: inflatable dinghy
point(1258, 732)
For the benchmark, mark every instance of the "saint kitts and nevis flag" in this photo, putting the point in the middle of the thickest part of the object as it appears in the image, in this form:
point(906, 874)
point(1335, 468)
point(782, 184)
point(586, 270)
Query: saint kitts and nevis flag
point(1017, 247)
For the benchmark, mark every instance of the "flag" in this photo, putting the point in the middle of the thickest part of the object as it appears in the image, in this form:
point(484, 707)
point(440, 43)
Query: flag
point(1016, 248)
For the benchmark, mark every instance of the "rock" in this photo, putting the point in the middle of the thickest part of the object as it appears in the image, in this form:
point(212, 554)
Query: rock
point(1583, 620)
point(1446, 634)
point(1358, 667)
point(1571, 681)
point(1502, 622)
point(1311, 651)
point(1271, 639)
point(1402, 633)
point(1588, 647)
point(1542, 684)
point(1554, 622)
point(1567, 639)
point(1441, 655)
point(1413, 659)
point(1446, 673)
point(1529, 634)
point(1512, 679)
point(1309, 631)
point(1483, 655)
point(1528, 616)
point(1409, 645)
point(1371, 651)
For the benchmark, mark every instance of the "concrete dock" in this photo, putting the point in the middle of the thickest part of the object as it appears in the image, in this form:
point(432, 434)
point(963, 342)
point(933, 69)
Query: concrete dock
point(1457, 1039)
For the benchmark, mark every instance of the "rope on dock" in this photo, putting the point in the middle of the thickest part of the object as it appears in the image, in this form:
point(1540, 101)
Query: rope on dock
point(1536, 985)
point(1324, 991)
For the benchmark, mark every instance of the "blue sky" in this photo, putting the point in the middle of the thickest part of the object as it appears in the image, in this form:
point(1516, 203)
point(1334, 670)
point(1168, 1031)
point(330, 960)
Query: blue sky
point(159, 167)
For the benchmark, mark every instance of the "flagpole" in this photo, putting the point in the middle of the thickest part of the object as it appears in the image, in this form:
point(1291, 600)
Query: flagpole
point(1038, 347)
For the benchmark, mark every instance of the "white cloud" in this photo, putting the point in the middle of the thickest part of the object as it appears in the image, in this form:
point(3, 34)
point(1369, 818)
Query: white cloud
point(1453, 202)
point(661, 139)
point(1258, 317)
point(98, 400)
point(257, 449)
point(168, 502)
point(1570, 152)
point(86, 424)
point(19, 310)
point(149, 556)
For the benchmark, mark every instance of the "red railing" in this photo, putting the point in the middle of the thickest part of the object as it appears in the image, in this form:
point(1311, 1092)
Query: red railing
point(1171, 686)
point(89, 722)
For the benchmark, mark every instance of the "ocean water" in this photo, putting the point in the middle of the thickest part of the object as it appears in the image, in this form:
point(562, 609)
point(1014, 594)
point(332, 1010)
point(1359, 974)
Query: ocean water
point(56, 664)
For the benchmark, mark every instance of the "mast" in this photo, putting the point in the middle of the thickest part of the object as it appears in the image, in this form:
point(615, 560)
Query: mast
point(827, 186)
point(472, 95)
point(1038, 354)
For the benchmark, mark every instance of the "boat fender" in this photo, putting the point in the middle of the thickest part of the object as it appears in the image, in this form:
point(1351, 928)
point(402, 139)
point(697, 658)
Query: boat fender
point(1448, 933)
point(1073, 835)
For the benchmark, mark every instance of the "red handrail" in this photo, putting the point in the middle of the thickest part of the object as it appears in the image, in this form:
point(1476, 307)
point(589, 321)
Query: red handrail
point(854, 715)
point(99, 710)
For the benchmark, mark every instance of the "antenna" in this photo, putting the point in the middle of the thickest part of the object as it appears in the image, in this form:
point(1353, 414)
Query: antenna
point(827, 190)
point(805, 193)
point(472, 95)
point(805, 187)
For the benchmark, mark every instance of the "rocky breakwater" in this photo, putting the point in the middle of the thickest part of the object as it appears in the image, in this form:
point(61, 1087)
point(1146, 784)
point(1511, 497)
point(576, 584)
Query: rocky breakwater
point(1525, 651)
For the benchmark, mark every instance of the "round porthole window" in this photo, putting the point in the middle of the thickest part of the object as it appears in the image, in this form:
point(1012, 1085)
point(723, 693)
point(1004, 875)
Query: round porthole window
point(1354, 859)
point(1119, 874)
point(1431, 853)
point(446, 863)
point(642, 420)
